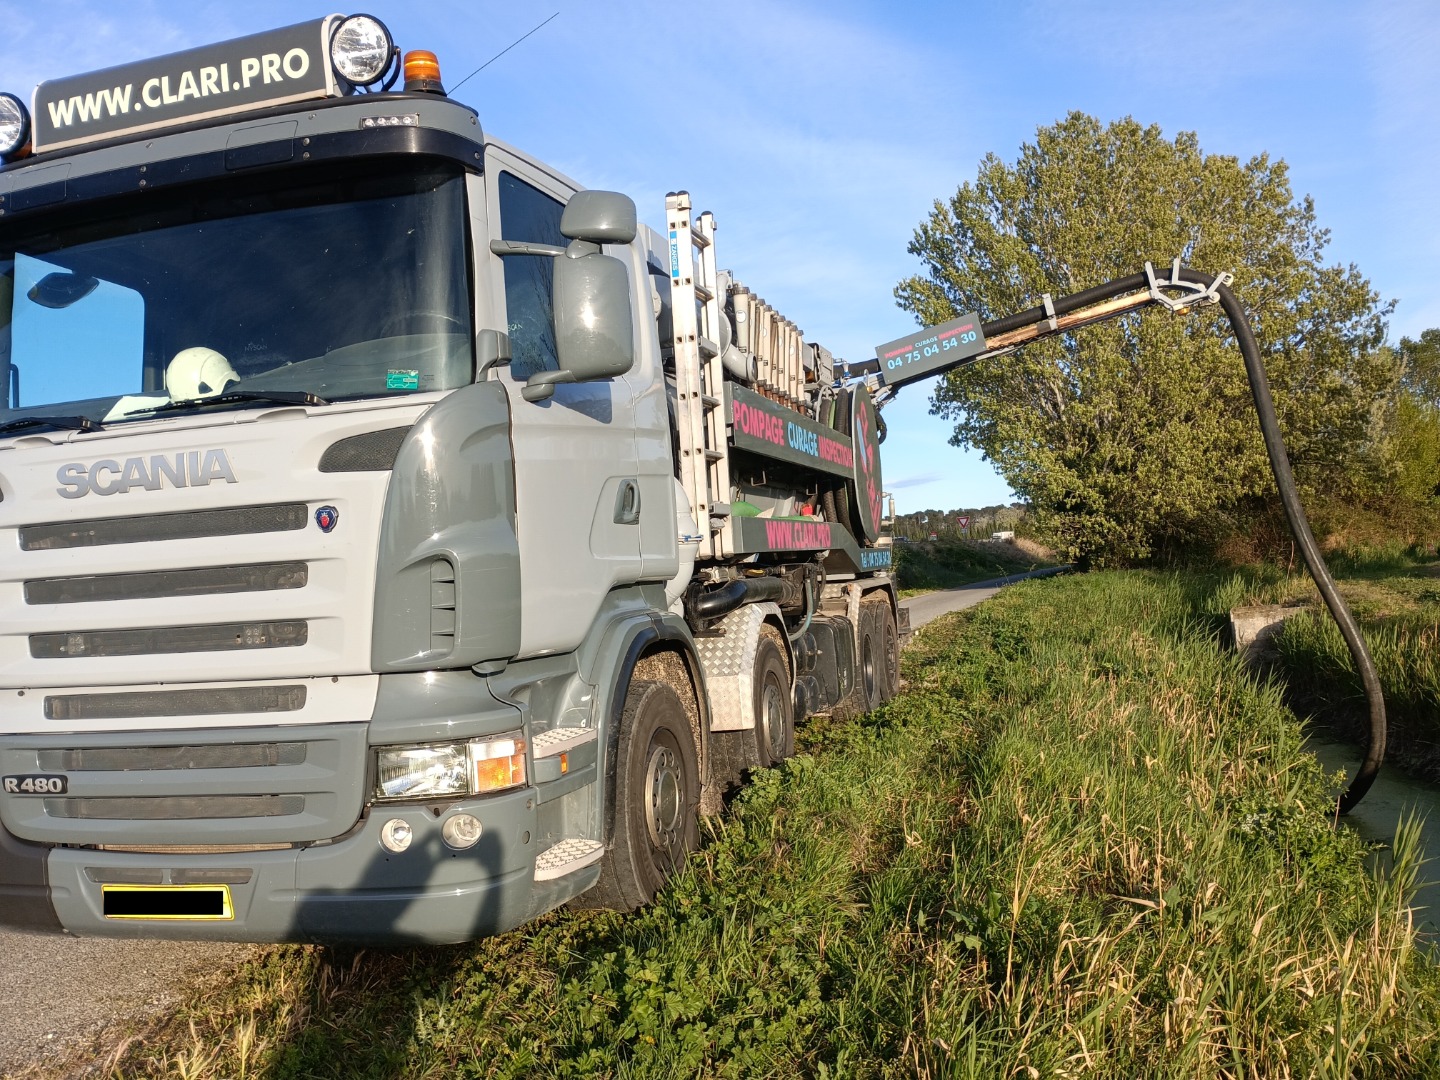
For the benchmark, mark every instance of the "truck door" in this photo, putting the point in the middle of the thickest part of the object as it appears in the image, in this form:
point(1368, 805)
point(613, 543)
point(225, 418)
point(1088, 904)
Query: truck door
point(576, 469)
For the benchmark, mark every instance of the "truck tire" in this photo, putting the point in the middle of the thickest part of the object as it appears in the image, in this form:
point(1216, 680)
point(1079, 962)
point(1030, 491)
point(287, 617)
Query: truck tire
point(878, 644)
point(868, 682)
point(657, 799)
point(889, 646)
point(774, 702)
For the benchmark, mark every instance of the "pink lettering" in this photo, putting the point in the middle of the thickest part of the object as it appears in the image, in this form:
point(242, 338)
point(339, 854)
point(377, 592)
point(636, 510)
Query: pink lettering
point(797, 535)
point(758, 424)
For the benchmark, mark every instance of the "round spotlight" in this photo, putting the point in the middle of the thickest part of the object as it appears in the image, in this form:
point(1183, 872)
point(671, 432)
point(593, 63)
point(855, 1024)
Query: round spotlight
point(14, 124)
point(461, 831)
point(361, 50)
point(396, 834)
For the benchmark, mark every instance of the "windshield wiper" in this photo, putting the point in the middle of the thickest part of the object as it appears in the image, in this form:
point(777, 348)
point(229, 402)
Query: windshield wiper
point(238, 397)
point(72, 423)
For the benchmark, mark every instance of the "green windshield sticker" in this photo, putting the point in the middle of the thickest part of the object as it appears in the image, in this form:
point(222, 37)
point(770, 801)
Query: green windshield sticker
point(402, 380)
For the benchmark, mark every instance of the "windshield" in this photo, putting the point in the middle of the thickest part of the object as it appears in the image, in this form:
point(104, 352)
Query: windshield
point(345, 282)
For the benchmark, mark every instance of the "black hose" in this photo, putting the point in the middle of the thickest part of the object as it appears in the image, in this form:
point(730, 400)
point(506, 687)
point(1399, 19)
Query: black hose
point(1284, 480)
point(1066, 304)
point(713, 603)
point(766, 588)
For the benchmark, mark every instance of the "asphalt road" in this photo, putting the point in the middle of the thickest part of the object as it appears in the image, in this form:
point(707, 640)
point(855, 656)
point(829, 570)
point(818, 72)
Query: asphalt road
point(58, 990)
point(932, 605)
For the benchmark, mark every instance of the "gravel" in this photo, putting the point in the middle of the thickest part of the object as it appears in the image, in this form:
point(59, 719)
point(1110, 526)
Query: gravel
point(59, 991)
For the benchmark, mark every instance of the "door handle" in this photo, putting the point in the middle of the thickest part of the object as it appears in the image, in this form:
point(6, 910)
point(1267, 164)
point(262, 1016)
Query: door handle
point(627, 503)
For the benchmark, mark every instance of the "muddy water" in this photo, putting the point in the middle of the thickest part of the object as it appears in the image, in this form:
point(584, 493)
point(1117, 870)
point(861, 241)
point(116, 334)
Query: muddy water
point(1392, 797)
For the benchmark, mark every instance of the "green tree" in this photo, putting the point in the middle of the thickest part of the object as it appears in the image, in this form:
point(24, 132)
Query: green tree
point(1420, 372)
point(1139, 433)
point(1415, 422)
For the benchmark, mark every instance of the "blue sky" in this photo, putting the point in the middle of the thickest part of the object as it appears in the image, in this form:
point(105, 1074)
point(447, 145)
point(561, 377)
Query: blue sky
point(821, 134)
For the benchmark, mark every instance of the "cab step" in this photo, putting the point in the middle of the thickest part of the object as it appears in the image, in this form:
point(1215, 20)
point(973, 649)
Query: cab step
point(561, 740)
point(566, 857)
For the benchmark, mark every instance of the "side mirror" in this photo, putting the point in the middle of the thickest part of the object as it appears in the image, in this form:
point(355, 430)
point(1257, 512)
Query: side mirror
point(594, 328)
point(601, 217)
point(62, 288)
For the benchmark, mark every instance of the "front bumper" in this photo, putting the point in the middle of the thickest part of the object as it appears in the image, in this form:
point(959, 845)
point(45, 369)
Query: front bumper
point(351, 890)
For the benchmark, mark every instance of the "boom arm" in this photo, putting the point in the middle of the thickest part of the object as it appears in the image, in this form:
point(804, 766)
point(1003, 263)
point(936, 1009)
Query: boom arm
point(900, 363)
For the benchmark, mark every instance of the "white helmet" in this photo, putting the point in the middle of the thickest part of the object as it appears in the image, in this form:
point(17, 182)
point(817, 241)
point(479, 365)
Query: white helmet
point(198, 372)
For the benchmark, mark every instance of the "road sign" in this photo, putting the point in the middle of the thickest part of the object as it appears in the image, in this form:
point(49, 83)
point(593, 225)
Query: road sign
point(964, 521)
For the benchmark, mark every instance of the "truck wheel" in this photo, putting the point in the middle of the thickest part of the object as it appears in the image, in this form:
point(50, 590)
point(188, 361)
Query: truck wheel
point(871, 680)
point(889, 649)
point(774, 702)
point(657, 796)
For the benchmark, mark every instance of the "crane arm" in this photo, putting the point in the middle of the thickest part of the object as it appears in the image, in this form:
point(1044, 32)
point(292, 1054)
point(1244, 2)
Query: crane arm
point(966, 340)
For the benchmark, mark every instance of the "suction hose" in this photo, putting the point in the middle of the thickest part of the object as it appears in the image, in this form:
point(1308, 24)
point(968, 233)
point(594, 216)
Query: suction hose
point(1284, 480)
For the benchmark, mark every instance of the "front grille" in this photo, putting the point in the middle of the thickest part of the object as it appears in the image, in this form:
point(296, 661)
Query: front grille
point(116, 875)
point(170, 639)
point(176, 808)
point(231, 700)
point(375, 451)
point(191, 849)
point(143, 758)
point(195, 791)
point(234, 521)
point(202, 581)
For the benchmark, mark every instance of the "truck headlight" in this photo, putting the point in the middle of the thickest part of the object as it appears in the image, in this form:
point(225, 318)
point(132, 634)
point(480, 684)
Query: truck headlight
point(448, 770)
point(413, 772)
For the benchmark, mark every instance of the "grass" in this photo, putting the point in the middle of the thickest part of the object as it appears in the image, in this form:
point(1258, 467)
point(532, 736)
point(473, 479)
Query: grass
point(1084, 842)
point(1395, 594)
point(948, 564)
point(1398, 605)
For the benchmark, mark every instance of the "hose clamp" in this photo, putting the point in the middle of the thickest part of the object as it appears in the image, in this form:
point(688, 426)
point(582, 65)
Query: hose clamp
point(1195, 292)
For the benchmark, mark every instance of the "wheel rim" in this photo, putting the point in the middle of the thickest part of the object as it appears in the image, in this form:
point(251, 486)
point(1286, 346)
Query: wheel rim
point(664, 798)
point(867, 669)
point(772, 715)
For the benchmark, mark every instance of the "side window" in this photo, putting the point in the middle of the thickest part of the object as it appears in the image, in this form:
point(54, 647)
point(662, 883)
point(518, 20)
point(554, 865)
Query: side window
point(526, 213)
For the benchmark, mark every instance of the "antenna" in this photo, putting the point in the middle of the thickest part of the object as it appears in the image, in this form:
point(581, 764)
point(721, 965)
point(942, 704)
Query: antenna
point(498, 55)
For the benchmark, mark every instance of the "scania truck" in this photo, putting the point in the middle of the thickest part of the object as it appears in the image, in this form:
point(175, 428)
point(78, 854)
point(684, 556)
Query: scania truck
point(399, 540)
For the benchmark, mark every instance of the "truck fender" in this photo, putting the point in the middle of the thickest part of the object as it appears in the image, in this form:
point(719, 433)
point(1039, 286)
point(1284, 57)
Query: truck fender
point(653, 646)
point(729, 663)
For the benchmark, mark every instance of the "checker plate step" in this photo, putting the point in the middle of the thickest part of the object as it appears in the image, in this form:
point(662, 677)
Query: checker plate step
point(559, 740)
point(566, 857)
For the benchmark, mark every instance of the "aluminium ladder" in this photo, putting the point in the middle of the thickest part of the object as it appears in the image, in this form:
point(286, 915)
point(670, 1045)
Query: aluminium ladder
point(772, 346)
point(695, 332)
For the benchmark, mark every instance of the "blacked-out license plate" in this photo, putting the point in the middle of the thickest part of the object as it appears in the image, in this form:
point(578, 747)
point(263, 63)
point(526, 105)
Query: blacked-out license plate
point(167, 902)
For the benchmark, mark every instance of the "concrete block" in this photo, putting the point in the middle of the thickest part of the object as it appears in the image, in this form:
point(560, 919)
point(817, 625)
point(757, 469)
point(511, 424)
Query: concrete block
point(1251, 628)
